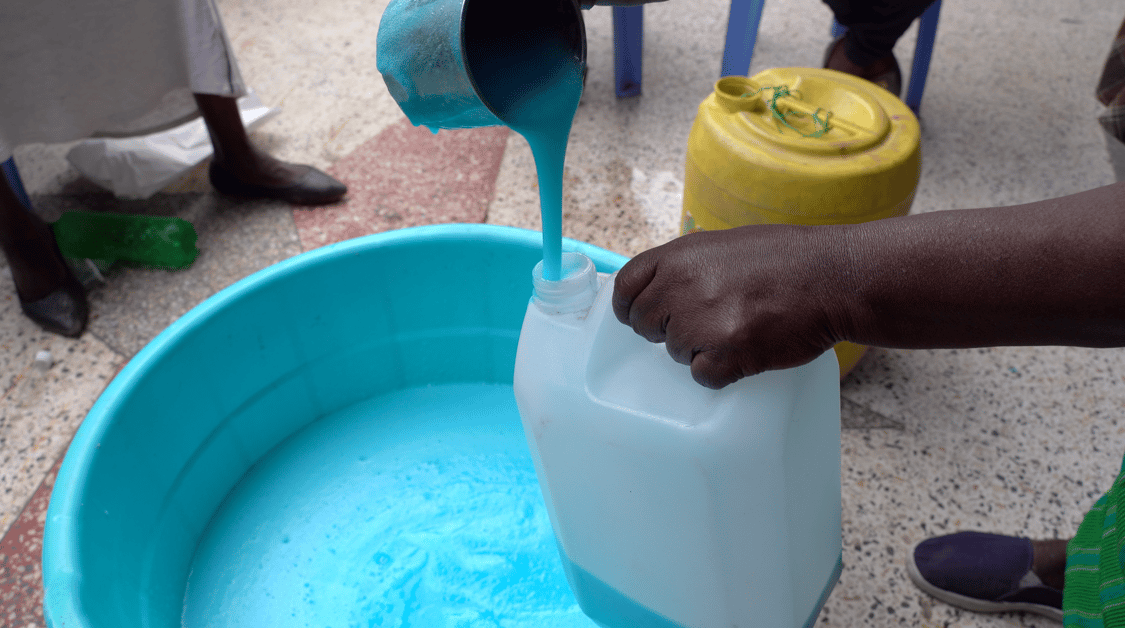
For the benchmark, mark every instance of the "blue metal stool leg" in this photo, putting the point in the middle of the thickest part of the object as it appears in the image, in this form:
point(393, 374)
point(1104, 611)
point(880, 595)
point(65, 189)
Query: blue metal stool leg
point(923, 51)
point(13, 177)
point(742, 34)
point(628, 49)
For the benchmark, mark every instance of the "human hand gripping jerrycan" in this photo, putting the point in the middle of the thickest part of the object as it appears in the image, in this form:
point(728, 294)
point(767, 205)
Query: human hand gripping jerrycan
point(677, 506)
point(757, 155)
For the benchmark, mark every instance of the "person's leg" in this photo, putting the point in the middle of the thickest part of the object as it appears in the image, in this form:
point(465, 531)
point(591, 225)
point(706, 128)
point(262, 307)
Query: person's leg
point(1049, 561)
point(48, 292)
point(874, 26)
point(241, 169)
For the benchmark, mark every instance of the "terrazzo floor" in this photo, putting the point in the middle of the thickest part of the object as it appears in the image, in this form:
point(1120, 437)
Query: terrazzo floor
point(1016, 440)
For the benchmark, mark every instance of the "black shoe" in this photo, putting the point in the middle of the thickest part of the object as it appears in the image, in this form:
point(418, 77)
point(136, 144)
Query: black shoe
point(982, 572)
point(313, 188)
point(64, 311)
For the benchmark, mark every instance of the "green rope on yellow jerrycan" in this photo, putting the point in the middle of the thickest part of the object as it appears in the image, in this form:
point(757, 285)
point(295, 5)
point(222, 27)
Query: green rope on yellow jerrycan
point(802, 146)
point(782, 116)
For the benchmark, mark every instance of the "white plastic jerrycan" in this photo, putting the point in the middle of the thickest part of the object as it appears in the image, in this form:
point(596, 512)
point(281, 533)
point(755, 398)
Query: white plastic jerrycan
point(677, 506)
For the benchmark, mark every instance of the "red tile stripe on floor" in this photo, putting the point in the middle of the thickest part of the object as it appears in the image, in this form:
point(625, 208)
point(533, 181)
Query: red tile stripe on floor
point(21, 555)
point(21, 573)
point(407, 176)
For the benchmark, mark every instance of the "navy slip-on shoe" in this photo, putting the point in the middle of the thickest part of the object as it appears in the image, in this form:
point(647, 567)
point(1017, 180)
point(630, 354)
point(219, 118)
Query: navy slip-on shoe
point(982, 572)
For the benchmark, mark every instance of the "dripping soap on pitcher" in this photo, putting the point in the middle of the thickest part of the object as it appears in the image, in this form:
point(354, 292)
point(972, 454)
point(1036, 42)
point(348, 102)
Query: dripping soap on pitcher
point(674, 505)
point(471, 63)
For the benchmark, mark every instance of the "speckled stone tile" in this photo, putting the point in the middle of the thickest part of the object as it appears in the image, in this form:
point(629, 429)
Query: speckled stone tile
point(856, 416)
point(608, 200)
point(40, 409)
point(408, 176)
point(1009, 118)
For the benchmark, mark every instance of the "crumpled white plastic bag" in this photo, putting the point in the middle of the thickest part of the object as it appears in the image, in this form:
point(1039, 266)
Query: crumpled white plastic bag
point(138, 167)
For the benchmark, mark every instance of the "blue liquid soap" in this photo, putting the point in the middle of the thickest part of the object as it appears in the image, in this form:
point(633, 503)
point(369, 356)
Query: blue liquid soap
point(426, 514)
point(535, 86)
point(545, 123)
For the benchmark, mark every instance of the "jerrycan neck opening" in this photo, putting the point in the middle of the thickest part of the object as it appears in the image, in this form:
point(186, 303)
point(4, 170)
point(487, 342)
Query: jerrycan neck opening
point(573, 292)
point(738, 93)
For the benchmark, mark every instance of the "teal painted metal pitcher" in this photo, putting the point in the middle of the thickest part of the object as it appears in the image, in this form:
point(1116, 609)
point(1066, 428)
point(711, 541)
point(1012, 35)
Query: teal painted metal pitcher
point(427, 51)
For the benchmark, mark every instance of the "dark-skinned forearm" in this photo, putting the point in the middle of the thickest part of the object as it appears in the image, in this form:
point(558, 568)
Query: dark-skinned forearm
point(1045, 273)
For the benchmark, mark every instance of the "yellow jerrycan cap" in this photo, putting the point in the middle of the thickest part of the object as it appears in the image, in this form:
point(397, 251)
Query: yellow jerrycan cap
point(842, 121)
point(800, 146)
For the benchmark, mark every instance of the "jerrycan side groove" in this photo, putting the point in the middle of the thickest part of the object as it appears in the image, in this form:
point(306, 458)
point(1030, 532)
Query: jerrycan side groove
point(676, 506)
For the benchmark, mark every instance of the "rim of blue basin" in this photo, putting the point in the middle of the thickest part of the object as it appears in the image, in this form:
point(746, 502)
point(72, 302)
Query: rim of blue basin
point(61, 575)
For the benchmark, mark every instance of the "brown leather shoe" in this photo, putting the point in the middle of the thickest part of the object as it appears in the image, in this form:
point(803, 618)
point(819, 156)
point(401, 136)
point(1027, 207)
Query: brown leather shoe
point(885, 72)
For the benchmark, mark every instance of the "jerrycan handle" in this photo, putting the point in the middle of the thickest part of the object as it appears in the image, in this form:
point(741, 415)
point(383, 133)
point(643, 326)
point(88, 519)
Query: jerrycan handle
point(630, 374)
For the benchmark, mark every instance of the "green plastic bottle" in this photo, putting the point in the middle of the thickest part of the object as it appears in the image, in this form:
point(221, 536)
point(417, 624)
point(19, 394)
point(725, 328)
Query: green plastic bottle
point(155, 241)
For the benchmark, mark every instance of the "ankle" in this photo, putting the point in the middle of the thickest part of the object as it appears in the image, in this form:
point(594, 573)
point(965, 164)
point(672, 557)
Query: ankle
point(1049, 562)
point(839, 60)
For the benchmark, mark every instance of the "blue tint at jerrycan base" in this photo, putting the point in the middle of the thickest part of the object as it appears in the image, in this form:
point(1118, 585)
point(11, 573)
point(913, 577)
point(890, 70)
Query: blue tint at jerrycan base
point(677, 506)
point(438, 57)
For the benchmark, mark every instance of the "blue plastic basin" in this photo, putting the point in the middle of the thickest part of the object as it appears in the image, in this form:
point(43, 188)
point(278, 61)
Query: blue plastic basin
point(262, 429)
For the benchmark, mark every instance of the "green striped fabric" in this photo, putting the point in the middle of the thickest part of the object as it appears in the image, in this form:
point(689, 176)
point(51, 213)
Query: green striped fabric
point(1094, 596)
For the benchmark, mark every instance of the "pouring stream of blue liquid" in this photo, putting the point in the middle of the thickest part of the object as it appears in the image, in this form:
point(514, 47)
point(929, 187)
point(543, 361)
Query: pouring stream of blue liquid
point(535, 88)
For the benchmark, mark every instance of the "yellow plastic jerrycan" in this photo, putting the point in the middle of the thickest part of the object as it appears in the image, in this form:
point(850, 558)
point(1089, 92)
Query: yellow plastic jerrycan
point(800, 146)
